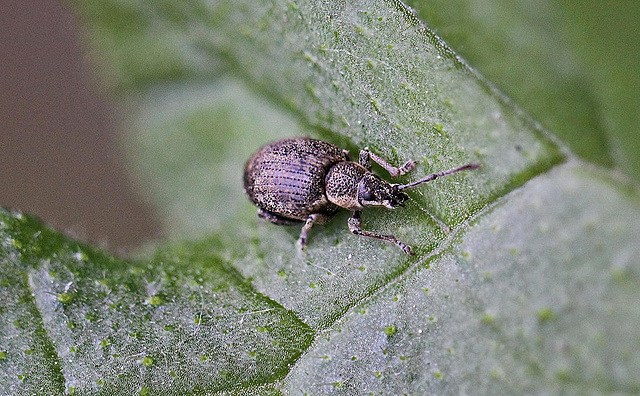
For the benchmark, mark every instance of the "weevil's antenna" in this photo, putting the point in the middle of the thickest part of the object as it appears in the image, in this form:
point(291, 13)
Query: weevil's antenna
point(436, 175)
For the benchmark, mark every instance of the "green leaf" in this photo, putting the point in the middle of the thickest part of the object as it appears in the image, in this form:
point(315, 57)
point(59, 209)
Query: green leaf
point(574, 66)
point(524, 269)
point(535, 296)
point(187, 321)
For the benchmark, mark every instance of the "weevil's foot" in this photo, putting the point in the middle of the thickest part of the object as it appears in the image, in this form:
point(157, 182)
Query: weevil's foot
point(302, 243)
point(404, 169)
point(407, 167)
point(406, 249)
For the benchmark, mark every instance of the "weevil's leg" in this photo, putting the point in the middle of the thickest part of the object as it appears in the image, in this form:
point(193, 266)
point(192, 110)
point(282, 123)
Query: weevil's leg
point(316, 218)
point(276, 219)
point(355, 226)
point(347, 154)
point(365, 160)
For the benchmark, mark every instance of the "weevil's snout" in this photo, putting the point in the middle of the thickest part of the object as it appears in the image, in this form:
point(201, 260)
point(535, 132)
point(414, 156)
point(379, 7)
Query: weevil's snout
point(373, 191)
point(398, 198)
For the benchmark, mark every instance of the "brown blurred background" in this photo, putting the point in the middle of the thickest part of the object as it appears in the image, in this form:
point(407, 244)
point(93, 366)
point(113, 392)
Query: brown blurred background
point(59, 154)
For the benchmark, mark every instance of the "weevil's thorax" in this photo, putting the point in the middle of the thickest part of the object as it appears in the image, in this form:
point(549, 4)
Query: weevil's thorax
point(341, 184)
point(352, 186)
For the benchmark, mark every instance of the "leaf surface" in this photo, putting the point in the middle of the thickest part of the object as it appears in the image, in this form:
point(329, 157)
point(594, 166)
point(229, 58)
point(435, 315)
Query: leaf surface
point(523, 266)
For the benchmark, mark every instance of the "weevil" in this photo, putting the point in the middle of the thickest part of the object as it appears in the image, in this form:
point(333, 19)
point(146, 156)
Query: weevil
point(303, 180)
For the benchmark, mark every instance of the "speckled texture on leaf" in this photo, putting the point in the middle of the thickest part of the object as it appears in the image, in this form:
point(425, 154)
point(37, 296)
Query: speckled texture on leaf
point(533, 297)
point(184, 322)
point(574, 66)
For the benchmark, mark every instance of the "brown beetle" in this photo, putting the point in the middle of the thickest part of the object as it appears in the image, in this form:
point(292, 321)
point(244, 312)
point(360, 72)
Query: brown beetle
point(307, 180)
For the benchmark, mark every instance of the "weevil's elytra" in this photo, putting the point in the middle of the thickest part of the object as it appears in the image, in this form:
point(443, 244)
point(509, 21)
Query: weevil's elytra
point(307, 180)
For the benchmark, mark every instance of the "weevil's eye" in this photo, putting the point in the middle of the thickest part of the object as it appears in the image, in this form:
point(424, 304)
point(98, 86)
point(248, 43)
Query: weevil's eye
point(367, 196)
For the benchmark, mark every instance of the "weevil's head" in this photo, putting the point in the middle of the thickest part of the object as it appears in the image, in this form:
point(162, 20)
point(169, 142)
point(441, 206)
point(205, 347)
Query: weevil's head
point(373, 191)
